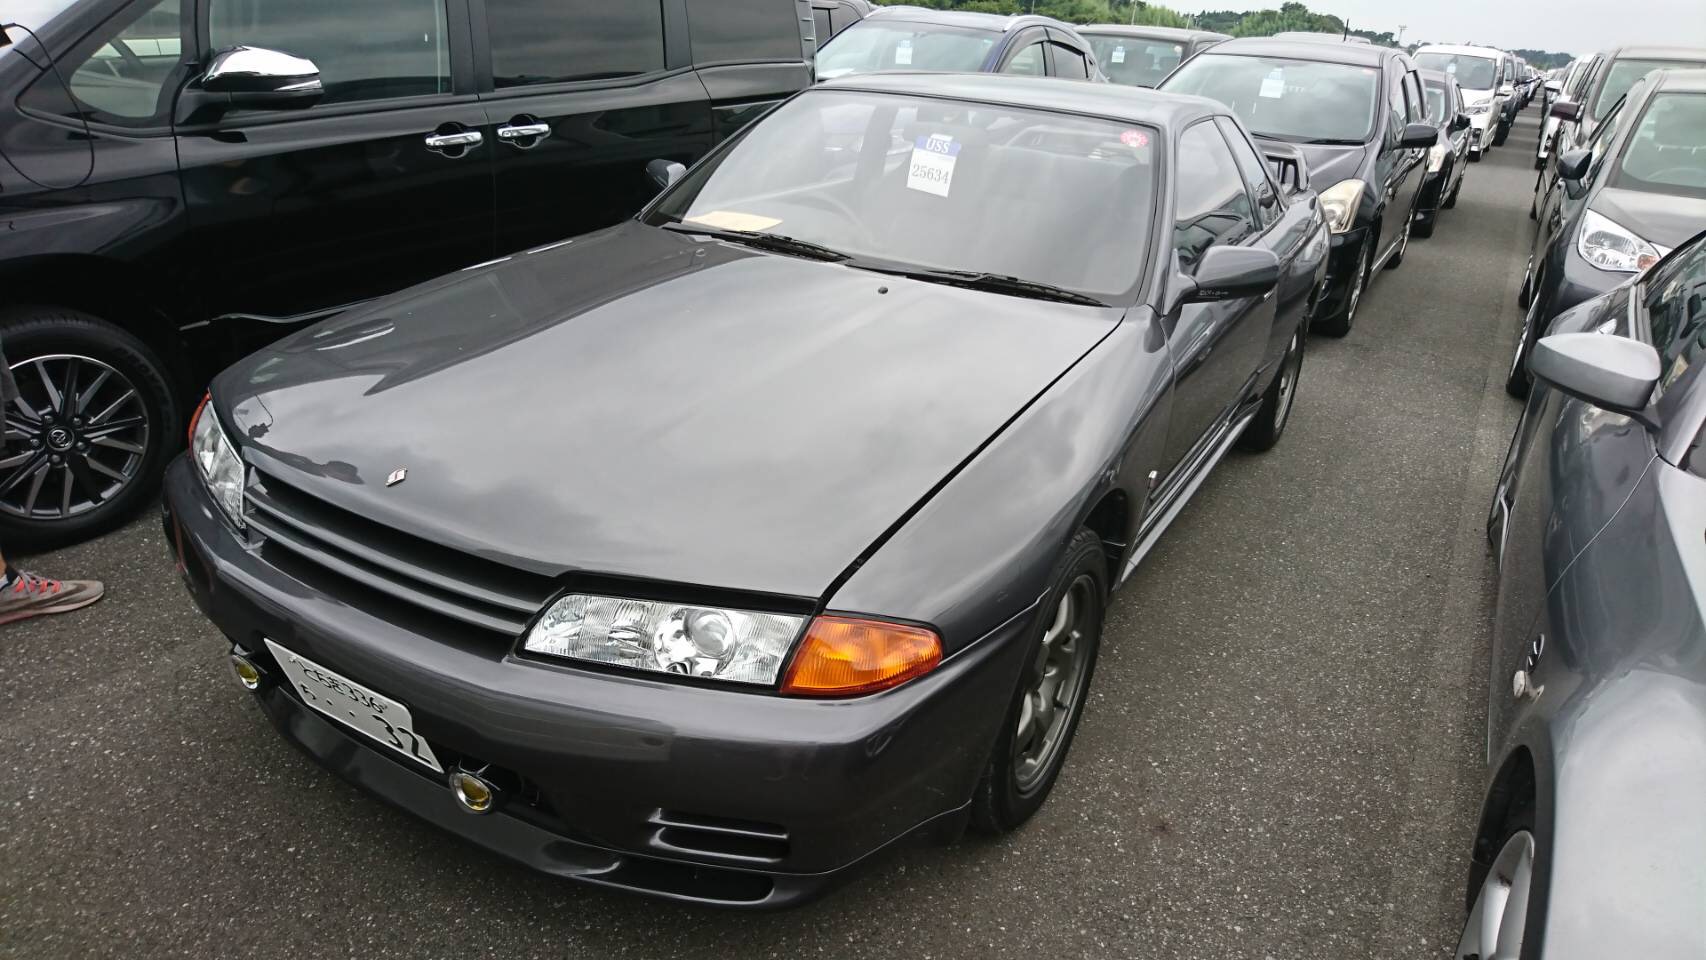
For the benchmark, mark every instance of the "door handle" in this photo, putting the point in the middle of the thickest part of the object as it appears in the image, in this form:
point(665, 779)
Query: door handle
point(452, 141)
point(513, 132)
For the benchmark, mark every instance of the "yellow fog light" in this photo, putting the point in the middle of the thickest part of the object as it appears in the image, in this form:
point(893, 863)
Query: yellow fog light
point(472, 793)
point(247, 673)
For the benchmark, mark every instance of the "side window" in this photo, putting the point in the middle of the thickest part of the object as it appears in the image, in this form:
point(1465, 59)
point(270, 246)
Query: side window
point(365, 51)
point(554, 41)
point(1413, 94)
point(1395, 105)
point(1211, 205)
point(722, 30)
point(126, 79)
point(1601, 143)
point(840, 19)
point(1028, 62)
point(1255, 170)
point(1069, 63)
point(820, 19)
point(1675, 297)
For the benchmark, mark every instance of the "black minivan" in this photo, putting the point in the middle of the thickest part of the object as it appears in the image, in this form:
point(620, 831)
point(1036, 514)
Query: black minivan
point(1358, 115)
point(182, 181)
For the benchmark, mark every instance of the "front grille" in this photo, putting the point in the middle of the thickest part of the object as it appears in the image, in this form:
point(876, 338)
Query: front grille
point(353, 558)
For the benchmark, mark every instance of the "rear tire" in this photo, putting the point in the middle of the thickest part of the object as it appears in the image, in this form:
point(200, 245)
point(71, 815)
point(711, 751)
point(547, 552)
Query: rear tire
point(1271, 417)
point(90, 436)
point(1031, 747)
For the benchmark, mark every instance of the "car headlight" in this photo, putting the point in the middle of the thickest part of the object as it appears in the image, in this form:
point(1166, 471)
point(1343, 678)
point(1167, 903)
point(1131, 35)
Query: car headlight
point(1609, 246)
point(1436, 157)
point(838, 656)
point(1476, 109)
point(1339, 202)
point(221, 469)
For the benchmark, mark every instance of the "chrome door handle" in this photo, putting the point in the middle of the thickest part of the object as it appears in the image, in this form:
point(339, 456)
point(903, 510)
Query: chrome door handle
point(524, 130)
point(446, 141)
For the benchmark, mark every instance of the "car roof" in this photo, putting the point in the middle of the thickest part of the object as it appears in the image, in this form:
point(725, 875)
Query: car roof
point(1111, 100)
point(1359, 54)
point(1648, 52)
point(1319, 36)
point(964, 18)
point(1158, 33)
point(1682, 81)
point(1491, 53)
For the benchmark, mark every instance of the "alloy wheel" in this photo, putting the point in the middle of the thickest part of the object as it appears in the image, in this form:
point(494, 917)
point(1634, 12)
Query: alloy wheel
point(1057, 676)
point(1289, 370)
point(1356, 291)
point(76, 436)
point(1499, 919)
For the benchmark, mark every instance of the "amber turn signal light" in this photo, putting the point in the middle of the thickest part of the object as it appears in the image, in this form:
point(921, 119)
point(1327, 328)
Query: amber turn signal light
point(846, 656)
point(197, 415)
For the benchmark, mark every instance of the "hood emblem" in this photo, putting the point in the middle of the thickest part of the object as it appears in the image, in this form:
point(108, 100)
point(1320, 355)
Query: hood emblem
point(397, 476)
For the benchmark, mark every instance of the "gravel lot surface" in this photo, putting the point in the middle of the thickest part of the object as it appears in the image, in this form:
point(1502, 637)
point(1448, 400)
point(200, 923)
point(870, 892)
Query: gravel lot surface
point(1282, 757)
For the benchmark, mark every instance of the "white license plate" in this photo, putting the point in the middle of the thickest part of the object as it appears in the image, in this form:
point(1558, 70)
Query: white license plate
point(355, 706)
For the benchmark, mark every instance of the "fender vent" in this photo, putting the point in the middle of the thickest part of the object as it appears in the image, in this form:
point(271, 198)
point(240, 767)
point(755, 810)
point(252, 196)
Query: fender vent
point(744, 840)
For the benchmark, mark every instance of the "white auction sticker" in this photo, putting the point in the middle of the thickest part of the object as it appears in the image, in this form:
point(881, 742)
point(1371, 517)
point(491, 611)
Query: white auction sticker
point(1273, 85)
point(932, 169)
point(1119, 55)
point(903, 54)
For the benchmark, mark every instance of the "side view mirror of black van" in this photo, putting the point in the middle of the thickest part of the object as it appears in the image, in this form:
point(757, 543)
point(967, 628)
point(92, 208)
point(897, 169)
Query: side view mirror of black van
point(1574, 165)
point(257, 77)
point(1419, 135)
point(1565, 110)
point(664, 173)
point(1460, 122)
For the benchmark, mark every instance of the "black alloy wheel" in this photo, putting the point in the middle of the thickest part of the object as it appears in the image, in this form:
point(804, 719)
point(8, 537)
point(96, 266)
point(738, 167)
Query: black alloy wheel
point(1264, 431)
point(1054, 683)
point(1341, 322)
point(1397, 259)
point(89, 432)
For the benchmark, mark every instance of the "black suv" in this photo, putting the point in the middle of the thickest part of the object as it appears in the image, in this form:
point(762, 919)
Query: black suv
point(182, 181)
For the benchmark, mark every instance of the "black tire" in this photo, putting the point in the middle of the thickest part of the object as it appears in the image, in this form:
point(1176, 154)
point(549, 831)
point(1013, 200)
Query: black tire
point(77, 346)
point(1001, 803)
point(1503, 131)
point(1340, 323)
point(1424, 225)
point(1475, 155)
point(1517, 381)
point(1450, 200)
point(1539, 162)
point(1275, 412)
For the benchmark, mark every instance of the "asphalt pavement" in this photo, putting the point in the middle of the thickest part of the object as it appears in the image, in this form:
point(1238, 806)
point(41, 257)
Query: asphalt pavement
point(1282, 756)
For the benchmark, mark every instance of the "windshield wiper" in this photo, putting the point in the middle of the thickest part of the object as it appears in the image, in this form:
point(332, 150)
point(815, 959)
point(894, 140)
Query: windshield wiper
point(777, 242)
point(1334, 142)
point(992, 282)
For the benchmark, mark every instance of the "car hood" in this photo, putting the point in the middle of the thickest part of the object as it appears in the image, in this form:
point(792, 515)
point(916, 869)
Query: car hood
point(1662, 218)
point(641, 403)
point(1328, 163)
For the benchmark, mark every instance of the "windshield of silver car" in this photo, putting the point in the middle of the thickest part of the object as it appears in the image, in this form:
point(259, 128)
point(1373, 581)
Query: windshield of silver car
point(869, 45)
point(1472, 73)
point(1303, 101)
point(945, 185)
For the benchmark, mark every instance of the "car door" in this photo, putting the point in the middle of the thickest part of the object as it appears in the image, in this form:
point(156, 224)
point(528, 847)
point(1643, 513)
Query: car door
point(579, 96)
point(1216, 347)
point(383, 183)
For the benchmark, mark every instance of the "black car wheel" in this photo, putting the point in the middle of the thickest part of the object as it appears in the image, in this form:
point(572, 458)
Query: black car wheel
point(1503, 131)
point(89, 432)
point(1031, 748)
point(1424, 225)
point(1518, 382)
point(1340, 323)
point(1500, 898)
point(1397, 259)
point(1450, 200)
point(1264, 431)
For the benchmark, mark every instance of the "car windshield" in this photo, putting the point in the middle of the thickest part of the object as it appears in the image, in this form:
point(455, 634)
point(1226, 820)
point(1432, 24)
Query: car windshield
point(1437, 101)
point(1622, 76)
point(1667, 154)
point(1303, 101)
point(1136, 61)
point(1472, 73)
point(913, 183)
point(904, 45)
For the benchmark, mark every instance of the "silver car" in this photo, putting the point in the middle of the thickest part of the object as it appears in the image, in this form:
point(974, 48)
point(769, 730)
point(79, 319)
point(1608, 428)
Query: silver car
point(1592, 838)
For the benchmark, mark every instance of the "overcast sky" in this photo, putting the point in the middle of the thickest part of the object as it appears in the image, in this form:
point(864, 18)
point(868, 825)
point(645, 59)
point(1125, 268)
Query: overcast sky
point(1569, 26)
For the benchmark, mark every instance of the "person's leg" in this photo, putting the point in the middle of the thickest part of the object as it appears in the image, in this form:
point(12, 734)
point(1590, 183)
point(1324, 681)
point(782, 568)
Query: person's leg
point(24, 595)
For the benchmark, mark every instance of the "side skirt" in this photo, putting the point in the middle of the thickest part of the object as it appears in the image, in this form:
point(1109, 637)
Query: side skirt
point(1162, 516)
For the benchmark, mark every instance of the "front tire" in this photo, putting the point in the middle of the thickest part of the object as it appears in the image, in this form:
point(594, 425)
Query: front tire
point(1424, 226)
point(1341, 322)
point(1504, 130)
point(90, 432)
point(1499, 906)
point(1037, 731)
point(1264, 431)
point(1397, 259)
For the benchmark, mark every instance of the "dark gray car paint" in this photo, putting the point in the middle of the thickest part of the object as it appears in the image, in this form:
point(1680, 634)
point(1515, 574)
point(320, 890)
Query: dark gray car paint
point(1604, 556)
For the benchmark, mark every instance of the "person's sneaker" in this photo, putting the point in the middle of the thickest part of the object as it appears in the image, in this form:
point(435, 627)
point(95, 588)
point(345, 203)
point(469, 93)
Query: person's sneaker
point(28, 595)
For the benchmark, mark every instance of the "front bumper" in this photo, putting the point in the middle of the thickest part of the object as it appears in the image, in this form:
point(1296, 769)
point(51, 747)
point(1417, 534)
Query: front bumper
point(702, 794)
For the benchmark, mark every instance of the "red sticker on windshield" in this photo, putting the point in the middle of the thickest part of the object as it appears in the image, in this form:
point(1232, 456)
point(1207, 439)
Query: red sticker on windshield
point(1134, 138)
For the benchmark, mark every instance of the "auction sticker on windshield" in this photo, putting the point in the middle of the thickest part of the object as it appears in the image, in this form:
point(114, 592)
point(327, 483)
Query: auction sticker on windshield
point(353, 705)
point(932, 169)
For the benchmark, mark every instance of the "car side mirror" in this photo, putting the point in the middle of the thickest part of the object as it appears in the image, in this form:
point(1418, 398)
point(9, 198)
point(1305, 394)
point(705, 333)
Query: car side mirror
point(1566, 110)
point(664, 173)
point(1460, 122)
point(1612, 373)
point(1228, 273)
point(262, 78)
point(1574, 165)
point(1419, 135)
point(1507, 91)
point(1554, 86)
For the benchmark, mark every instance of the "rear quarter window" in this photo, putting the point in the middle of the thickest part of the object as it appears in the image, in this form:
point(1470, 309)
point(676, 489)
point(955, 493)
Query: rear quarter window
point(744, 30)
